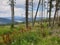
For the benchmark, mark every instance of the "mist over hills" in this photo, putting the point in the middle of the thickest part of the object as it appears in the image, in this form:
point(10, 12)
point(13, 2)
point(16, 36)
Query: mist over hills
point(4, 21)
point(7, 20)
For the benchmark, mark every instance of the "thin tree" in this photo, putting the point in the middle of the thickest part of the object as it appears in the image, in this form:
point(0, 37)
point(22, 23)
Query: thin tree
point(42, 13)
point(50, 2)
point(12, 12)
point(58, 11)
point(31, 10)
point(36, 12)
point(32, 13)
point(27, 13)
point(55, 11)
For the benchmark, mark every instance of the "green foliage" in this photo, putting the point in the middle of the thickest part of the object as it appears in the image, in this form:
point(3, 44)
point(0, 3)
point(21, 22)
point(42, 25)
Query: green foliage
point(4, 30)
point(44, 25)
point(27, 38)
point(33, 37)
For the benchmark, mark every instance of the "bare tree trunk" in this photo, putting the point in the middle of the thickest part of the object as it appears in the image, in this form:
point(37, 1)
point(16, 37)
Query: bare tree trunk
point(26, 13)
point(12, 13)
point(32, 13)
point(57, 17)
point(47, 12)
point(36, 12)
point(50, 12)
point(42, 15)
point(55, 11)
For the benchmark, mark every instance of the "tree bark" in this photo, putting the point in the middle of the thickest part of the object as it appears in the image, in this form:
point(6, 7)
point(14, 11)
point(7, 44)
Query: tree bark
point(55, 11)
point(36, 13)
point(12, 13)
point(26, 13)
point(50, 12)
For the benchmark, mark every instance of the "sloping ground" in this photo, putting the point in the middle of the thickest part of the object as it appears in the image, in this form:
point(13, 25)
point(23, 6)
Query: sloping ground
point(35, 36)
point(55, 32)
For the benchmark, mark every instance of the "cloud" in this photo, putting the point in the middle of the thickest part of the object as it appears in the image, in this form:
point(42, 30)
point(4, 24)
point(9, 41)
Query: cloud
point(5, 10)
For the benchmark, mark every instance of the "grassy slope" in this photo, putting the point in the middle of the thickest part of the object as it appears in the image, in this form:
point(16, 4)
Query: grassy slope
point(35, 36)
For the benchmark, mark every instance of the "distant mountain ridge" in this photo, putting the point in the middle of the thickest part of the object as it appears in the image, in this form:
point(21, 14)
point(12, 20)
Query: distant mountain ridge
point(7, 20)
point(23, 18)
point(4, 21)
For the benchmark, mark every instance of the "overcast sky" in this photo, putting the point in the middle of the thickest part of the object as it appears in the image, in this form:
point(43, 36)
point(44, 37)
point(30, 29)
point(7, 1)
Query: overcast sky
point(5, 10)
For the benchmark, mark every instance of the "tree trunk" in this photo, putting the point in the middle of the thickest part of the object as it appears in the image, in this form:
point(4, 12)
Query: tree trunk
point(36, 12)
point(26, 13)
point(50, 12)
point(32, 13)
point(55, 11)
point(12, 13)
